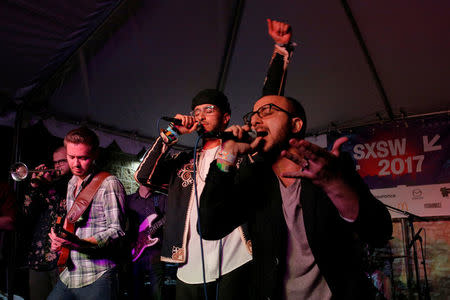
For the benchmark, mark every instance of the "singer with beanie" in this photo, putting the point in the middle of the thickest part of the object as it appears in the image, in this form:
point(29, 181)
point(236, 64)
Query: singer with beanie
point(222, 264)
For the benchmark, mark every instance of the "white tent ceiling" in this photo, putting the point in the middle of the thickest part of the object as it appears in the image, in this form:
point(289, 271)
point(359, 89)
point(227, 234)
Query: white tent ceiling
point(163, 52)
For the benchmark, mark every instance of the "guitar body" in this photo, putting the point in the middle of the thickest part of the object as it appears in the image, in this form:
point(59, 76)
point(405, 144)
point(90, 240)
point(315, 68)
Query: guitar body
point(145, 239)
point(65, 252)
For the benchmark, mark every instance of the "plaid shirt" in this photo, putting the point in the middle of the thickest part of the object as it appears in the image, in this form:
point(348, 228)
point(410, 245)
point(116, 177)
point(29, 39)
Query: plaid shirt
point(104, 221)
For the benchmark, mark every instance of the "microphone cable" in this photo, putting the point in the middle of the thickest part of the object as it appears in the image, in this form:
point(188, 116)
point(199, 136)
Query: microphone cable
point(198, 216)
point(198, 220)
point(197, 202)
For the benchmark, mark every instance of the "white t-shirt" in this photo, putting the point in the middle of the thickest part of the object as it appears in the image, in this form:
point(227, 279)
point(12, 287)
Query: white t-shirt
point(234, 252)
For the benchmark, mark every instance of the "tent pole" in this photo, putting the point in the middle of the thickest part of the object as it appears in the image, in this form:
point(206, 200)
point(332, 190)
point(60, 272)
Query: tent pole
point(362, 44)
point(16, 155)
point(229, 46)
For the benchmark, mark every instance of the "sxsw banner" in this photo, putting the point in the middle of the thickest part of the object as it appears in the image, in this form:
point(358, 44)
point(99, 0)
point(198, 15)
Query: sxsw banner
point(405, 163)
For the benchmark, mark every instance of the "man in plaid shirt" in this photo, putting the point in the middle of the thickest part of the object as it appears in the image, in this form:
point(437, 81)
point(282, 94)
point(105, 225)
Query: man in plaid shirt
point(90, 272)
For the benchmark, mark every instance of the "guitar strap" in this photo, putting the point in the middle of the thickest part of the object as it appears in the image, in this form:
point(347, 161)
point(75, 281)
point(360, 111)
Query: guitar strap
point(79, 206)
point(156, 205)
point(85, 197)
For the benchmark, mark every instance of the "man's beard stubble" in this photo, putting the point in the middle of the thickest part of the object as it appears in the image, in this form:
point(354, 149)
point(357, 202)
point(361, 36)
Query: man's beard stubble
point(274, 152)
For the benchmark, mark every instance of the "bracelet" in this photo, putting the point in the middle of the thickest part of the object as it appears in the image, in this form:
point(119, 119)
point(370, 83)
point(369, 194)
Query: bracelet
point(172, 128)
point(290, 45)
point(225, 160)
point(223, 166)
point(173, 131)
point(226, 157)
point(170, 134)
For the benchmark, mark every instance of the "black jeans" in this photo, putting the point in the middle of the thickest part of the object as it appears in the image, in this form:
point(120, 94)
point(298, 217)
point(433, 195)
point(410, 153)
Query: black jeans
point(147, 280)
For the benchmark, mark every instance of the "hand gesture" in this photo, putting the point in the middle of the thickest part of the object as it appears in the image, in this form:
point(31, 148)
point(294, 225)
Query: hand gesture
point(188, 124)
point(316, 163)
point(325, 171)
point(280, 32)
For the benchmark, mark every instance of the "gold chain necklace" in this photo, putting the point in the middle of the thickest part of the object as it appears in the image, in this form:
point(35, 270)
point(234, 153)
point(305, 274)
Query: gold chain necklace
point(201, 162)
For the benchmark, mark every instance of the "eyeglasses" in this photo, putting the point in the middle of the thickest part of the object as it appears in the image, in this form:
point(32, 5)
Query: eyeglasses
point(264, 111)
point(60, 162)
point(206, 110)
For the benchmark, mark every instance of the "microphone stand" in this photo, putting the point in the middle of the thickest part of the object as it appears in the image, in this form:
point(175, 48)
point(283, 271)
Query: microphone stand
point(411, 218)
point(427, 288)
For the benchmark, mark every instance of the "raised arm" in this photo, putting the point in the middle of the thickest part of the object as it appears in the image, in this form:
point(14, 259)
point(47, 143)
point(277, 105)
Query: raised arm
point(281, 33)
point(157, 165)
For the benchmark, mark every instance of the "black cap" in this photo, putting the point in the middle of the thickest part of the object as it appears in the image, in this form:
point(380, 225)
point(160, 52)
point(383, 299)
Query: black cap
point(212, 96)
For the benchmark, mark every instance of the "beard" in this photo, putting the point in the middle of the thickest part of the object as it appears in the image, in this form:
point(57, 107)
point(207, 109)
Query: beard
point(280, 143)
point(200, 130)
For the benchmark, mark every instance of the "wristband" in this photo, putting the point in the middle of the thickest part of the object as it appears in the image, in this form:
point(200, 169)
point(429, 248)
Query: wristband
point(225, 160)
point(170, 134)
point(223, 166)
point(172, 131)
point(290, 45)
point(172, 128)
point(226, 157)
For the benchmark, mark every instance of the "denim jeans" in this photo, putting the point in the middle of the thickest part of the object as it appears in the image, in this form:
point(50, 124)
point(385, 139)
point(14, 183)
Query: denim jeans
point(106, 287)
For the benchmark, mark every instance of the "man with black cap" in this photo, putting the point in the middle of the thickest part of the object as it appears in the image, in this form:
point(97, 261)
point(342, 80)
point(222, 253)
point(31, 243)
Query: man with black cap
point(221, 264)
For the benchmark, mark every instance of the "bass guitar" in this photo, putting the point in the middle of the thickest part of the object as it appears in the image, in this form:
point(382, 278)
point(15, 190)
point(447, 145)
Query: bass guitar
point(145, 236)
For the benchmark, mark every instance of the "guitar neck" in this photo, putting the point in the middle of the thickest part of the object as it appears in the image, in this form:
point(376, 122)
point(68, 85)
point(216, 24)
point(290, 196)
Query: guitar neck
point(157, 225)
point(143, 235)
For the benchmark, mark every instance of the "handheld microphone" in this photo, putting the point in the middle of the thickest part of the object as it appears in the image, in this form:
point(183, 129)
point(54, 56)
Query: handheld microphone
point(247, 136)
point(178, 122)
point(173, 120)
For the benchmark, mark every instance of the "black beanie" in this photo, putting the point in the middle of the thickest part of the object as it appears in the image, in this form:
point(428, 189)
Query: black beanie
point(212, 96)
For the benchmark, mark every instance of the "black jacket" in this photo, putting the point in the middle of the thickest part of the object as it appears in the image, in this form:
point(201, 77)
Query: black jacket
point(251, 194)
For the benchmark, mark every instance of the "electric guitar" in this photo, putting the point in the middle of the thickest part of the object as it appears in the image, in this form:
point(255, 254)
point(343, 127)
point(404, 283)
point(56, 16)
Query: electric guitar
point(145, 239)
point(65, 252)
point(66, 230)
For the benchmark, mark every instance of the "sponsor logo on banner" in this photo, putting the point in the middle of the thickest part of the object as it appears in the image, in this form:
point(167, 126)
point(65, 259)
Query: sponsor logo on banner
point(385, 196)
point(417, 194)
point(445, 191)
point(402, 206)
point(433, 205)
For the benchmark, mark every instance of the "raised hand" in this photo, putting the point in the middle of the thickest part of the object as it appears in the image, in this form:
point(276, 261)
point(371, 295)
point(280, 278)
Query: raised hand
point(189, 124)
point(315, 163)
point(325, 171)
point(280, 32)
